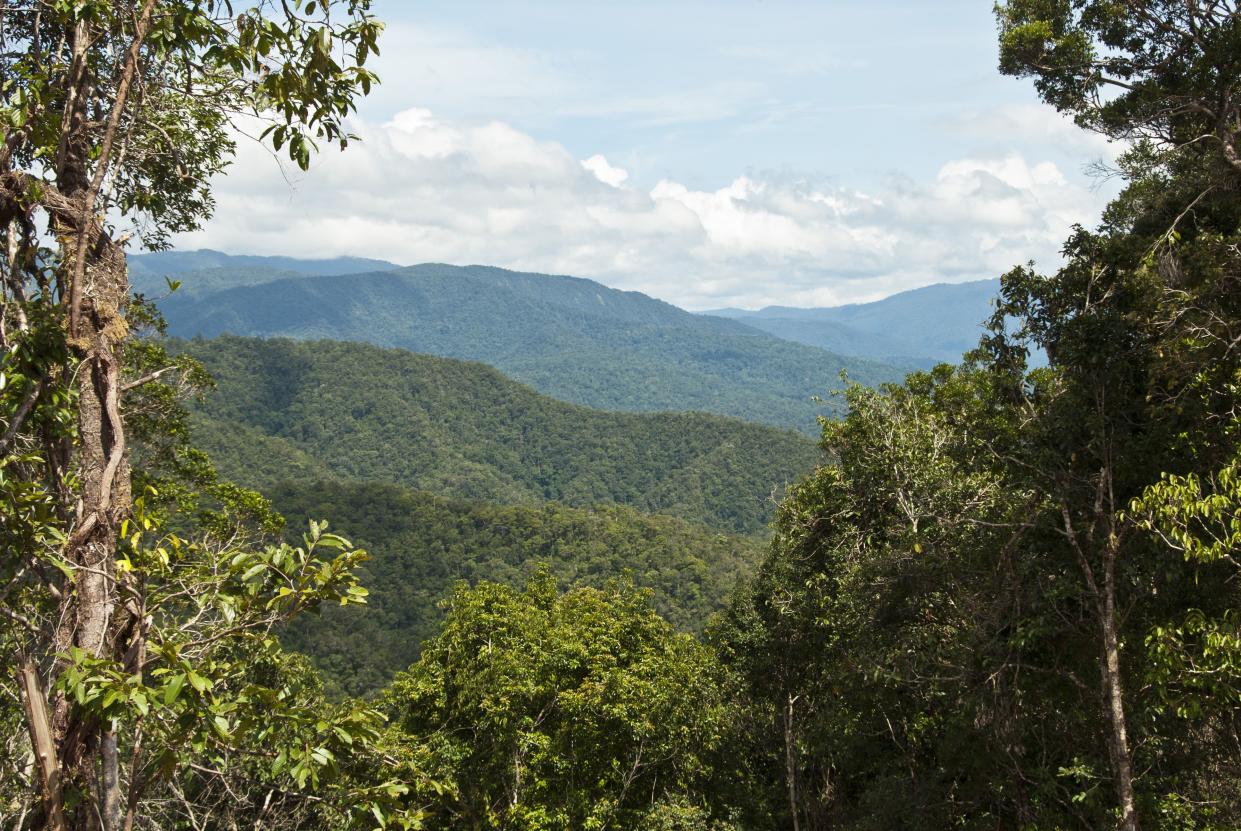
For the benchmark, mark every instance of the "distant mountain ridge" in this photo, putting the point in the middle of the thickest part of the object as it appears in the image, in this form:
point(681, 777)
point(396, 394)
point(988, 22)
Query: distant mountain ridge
point(923, 326)
point(574, 338)
point(568, 337)
point(157, 264)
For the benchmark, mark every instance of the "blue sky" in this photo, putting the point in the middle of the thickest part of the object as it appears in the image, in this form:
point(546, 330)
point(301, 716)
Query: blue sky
point(738, 152)
point(699, 91)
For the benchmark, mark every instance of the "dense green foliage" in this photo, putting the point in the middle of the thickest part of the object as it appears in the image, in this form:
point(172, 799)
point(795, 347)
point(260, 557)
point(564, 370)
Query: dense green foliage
point(924, 641)
point(560, 712)
point(420, 545)
point(570, 338)
point(1012, 603)
point(868, 637)
point(1161, 72)
point(223, 708)
point(922, 327)
point(1195, 660)
point(464, 430)
point(142, 683)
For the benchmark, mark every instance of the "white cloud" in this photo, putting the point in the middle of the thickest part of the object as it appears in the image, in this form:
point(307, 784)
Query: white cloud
point(449, 69)
point(421, 189)
point(604, 171)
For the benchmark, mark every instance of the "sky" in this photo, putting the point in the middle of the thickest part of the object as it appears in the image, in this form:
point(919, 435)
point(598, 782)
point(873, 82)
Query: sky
point(733, 153)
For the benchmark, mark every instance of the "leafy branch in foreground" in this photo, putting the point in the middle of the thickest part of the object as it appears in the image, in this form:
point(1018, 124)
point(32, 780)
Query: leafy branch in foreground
point(1196, 662)
point(134, 625)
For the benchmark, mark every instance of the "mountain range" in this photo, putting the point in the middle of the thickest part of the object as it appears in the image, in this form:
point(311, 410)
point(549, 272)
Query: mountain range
point(570, 338)
point(147, 271)
point(446, 469)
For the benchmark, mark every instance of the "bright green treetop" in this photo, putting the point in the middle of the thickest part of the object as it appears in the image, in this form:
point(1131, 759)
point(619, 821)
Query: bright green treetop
point(561, 712)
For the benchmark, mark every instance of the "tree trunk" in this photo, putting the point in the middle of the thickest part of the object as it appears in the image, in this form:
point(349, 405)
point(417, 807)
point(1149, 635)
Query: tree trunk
point(90, 619)
point(95, 284)
point(42, 744)
point(1113, 693)
point(790, 760)
point(110, 780)
point(1117, 734)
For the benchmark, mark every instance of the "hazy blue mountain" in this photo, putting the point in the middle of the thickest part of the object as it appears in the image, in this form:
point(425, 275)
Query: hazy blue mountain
point(315, 410)
point(571, 338)
point(183, 262)
point(922, 327)
point(205, 270)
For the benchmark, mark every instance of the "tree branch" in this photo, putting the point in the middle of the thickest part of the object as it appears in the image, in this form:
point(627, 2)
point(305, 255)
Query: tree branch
point(20, 416)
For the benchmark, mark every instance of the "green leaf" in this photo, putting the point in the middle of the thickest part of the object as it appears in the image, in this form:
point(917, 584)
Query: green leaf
point(221, 725)
point(173, 688)
point(198, 682)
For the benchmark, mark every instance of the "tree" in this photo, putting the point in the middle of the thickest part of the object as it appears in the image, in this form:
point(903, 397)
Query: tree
point(1195, 660)
point(1168, 71)
point(551, 711)
point(1139, 322)
point(1061, 644)
point(1140, 385)
point(121, 112)
point(1201, 520)
point(877, 639)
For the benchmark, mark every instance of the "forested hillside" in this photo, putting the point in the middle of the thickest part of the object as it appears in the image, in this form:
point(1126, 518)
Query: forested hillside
point(356, 412)
point(421, 544)
point(570, 338)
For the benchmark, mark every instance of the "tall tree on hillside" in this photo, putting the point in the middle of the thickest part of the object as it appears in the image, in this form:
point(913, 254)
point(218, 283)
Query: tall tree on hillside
point(1061, 654)
point(115, 117)
point(1140, 322)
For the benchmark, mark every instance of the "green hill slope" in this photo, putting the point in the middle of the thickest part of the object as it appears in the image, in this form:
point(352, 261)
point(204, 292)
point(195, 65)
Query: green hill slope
point(288, 409)
point(573, 339)
point(421, 544)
